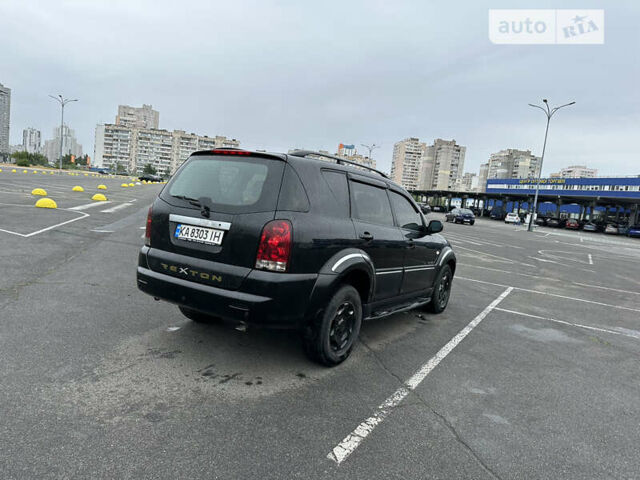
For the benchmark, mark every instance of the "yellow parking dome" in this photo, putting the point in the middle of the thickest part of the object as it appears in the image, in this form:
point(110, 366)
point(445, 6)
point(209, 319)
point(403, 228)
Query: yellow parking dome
point(24, 171)
point(39, 191)
point(131, 185)
point(13, 171)
point(98, 197)
point(78, 188)
point(35, 171)
point(102, 187)
point(124, 185)
point(46, 203)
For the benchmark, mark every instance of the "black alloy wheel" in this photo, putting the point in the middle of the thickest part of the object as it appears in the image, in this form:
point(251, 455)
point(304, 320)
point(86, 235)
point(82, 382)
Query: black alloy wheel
point(330, 337)
point(441, 290)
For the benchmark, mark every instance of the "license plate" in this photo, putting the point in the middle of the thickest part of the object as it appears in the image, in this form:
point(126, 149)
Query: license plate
point(191, 233)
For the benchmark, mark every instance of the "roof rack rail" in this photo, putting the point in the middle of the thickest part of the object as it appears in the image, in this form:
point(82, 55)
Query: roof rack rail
point(339, 160)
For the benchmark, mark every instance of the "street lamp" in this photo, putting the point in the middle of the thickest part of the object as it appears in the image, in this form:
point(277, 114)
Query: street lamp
point(62, 101)
point(371, 148)
point(549, 113)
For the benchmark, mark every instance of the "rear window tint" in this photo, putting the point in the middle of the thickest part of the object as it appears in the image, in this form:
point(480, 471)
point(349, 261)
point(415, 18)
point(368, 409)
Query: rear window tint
point(233, 185)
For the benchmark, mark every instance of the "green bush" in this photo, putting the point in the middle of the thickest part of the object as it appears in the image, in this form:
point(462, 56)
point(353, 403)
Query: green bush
point(22, 162)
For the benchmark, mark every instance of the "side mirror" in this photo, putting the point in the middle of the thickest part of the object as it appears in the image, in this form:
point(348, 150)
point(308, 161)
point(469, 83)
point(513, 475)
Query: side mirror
point(435, 226)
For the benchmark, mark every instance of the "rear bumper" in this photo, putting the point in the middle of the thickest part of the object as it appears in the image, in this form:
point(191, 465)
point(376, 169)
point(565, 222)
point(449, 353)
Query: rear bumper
point(273, 300)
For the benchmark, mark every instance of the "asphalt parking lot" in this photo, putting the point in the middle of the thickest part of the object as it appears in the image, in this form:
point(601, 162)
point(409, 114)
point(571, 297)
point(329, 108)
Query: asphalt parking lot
point(531, 372)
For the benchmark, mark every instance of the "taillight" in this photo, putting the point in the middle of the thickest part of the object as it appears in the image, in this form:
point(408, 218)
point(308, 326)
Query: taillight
point(275, 246)
point(147, 232)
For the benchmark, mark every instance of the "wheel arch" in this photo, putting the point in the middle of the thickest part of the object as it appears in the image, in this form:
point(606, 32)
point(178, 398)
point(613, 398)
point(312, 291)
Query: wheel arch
point(351, 266)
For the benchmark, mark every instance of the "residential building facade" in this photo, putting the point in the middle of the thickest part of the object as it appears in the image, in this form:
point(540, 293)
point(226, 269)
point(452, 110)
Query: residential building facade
point(470, 182)
point(482, 177)
point(133, 148)
point(5, 121)
point(513, 163)
point(138, 117)
point(442, 166)
point(70, 145)
point(407, 162)
point(576, 171)
point(31, 140)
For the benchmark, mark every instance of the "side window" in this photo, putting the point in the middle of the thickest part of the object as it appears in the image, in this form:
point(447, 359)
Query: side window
point(292, 194)
point(337, 182)
point(406, 215)
point(371, 204)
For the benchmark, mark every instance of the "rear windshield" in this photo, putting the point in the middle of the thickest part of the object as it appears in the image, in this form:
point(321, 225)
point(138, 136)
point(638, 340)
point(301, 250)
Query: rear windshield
point(465, 211)
point(233, 185)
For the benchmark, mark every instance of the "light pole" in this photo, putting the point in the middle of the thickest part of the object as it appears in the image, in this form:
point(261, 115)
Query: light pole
point(371, 148)
point(62, 101)
point(549, 113)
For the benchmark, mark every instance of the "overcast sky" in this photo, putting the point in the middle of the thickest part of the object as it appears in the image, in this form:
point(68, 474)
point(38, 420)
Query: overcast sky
point(283, 74)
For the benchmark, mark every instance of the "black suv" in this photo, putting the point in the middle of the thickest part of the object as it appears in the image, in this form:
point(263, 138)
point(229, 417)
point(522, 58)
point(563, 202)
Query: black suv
point(292, 241)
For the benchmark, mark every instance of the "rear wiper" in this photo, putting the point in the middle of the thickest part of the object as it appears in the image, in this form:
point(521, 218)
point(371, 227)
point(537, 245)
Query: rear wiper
point(184, 197)
point(204, 203)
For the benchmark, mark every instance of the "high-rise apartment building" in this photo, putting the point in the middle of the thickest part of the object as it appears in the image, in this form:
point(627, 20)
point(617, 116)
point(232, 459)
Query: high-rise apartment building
point(513, 163)
point(406, 162)
point(133, 148)
point(576, 171)
point(138, 117)
point(135, 141)
point(470, 182)
point(442, 166)
point(31, 140)
point(5, 120)
point(70, 145)
point(482, 177)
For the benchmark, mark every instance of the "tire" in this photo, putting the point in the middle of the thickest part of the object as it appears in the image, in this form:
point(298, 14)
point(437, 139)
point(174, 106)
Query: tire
point(441, 291)
point(330, 338)
point(197, 316)
point(471, 223)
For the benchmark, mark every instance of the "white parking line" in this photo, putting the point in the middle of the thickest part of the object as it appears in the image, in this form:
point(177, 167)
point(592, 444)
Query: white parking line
point(116, 208)
point(590, 259)
point(509, 272)
point(498, 258)
point(347, 446)
point(89, 205)
point(588, 327)
point(550, 294)
point(605, 288)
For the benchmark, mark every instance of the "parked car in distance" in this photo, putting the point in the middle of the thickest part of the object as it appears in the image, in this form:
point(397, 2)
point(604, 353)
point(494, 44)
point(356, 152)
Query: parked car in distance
point(611, 229)
point(290, 241)
point(634, 231)
point(497, 213)
point(623, 228)
point(512, 217)
point(424, 208)
point(150, 177)
point(541, 221)
point(590, 227)
point(555, 222)
point(461, 215)
point(439, 208)
point(572, 224)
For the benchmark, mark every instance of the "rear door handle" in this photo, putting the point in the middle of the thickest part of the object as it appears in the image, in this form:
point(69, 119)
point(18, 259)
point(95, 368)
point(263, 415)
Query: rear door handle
point(366, 236)
point(410, 243)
